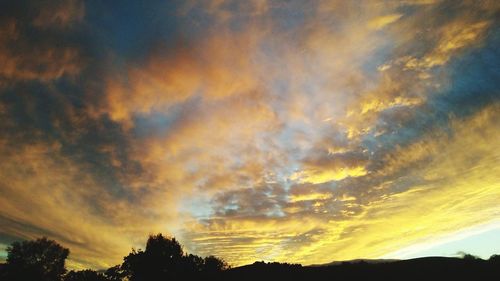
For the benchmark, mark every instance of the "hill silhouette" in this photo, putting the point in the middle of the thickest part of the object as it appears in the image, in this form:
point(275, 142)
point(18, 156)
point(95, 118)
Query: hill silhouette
point(164, 259)
point(428, 268)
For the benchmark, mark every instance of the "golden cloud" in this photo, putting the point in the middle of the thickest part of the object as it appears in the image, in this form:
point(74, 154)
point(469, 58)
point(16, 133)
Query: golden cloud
point(395, 220)
point(381, 22)
point(274, 144)
point(322, 176)
point(45, 193)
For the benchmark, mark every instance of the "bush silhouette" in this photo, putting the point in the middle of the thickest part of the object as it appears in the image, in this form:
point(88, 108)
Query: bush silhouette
point(41, 260)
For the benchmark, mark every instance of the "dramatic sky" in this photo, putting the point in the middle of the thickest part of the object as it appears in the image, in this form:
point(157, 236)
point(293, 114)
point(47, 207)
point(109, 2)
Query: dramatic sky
point(299, 131)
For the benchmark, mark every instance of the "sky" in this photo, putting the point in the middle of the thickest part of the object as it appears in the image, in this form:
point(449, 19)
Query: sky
point(297, 131)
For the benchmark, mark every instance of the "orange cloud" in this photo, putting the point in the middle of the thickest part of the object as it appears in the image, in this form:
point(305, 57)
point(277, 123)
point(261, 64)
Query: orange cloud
point(253, 137)
point(219, 67)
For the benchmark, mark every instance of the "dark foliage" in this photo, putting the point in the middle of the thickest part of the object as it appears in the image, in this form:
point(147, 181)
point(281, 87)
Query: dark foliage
point(164, 259)
point(495, 259)
point(84, 275)
point(470, 257)
point(115, 273)
point(213, 264)
point(41, 260)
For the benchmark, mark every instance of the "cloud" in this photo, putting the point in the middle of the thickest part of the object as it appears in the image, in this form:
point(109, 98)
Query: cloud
point(216, 68)
point(45, 194)
point(400, 212)
point(286, 131)
point(456, 36)
point(31, 50)
point(48, 194)
point(59, 14)
point(381, 22)
point(315, 176)
point(310, 197)
point(376, 119)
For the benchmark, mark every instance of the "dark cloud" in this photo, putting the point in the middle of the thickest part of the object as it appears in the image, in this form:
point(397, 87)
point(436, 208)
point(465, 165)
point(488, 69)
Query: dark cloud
point(256, 201)
point(42, 41)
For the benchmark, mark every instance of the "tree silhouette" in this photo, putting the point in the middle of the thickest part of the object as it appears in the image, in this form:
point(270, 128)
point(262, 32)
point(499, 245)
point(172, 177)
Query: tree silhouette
point(469, 257)
point(495, 259)
point(41, 260)
point(84, 275)
point(162, 259)
point(213, 264)
point(194, 263)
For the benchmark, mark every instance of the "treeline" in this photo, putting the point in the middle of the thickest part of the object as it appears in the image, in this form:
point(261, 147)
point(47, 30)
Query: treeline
point(163, 259)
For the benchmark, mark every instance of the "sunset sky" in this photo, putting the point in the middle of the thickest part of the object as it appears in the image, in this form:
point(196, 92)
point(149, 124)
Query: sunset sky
point(286, 130)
